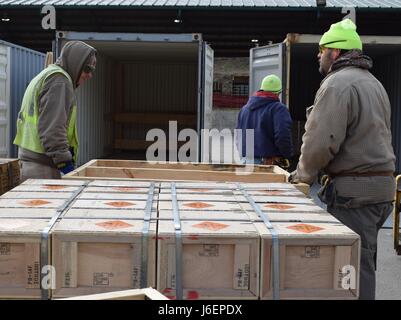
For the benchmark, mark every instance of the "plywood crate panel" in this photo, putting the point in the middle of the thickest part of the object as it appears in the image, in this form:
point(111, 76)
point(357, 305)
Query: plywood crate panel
point(201, 206)
point(9, 174)
point(94, 255)
point(207, 215)
point(284, 207)
point(312, 257)
point(55, 189)
point(199, 197)
point(276, 199)
point(20, 258)
point(27, 213)
point(32, 203)
point(54, 182)
point(82, 213)
point(220, 259)
point(36, 195)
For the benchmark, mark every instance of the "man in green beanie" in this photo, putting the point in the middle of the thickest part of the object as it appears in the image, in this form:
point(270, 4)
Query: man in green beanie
point(348, 138)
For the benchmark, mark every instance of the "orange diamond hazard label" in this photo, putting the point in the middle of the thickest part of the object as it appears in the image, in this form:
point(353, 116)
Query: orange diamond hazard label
point(120, 204)
point(115, 224)
point(50, 187)
point(271, 193)
point(279, 206)
point(198, 205)
point(125, 189)
point(213, 226)
point(35, 203)
point(305, 228)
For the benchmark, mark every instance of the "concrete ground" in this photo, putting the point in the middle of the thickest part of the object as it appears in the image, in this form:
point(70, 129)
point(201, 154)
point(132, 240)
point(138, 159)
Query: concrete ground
point(388, 276)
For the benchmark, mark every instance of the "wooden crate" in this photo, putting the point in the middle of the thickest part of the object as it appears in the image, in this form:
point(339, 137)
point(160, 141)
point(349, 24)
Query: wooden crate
point(133, 294)
point(100, 255)
point(20, 258)
point(175, 171)
point(312, 257)
point(220, 259)
point(9, 174)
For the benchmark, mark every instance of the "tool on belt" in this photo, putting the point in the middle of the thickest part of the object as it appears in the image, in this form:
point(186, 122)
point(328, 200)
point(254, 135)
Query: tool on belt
point(277, 161)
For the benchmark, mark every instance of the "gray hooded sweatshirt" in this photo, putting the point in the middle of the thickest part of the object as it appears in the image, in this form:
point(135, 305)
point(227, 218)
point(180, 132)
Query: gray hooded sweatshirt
point(55, 105)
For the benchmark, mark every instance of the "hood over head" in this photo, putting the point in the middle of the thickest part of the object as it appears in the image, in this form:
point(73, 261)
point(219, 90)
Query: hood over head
point(73, 57)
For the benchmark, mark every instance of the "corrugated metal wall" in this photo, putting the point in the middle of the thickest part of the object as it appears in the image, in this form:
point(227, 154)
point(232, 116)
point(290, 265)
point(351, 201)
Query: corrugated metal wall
point(94, 119)
point(4, 97)
point(25, 64)
point(156, 87)
point(387, 70)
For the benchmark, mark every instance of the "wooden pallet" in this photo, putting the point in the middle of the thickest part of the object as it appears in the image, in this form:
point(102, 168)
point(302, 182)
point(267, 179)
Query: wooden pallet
point(219, 260)
point(175, 171)
point(9, 174)
point(133, 294)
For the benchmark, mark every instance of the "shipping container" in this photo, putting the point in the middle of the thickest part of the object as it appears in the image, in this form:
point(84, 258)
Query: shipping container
point(295, 61)
point(141, 82)
point(18, 66)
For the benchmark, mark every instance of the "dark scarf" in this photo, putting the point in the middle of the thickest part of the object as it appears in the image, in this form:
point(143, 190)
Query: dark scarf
point(354, 58)
point(266, 94)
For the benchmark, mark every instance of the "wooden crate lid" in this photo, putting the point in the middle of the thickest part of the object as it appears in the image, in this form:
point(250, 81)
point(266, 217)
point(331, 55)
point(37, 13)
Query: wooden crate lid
point(199, 197)
point(7, 160)
point(25, 227)
point(268, 186)
point(125, 190)
point(277, 199)
point(201, 185)
point(31, 203)
point(208, 229)
point(199, 191)
point(201, 206)
point(75, 213)
point(294, 217)
point(111, 204)
point(267, 192)
point(121, 183)
point(284, 207)
point(101, 227)
point(114, 196)
point(54, 182)
point(45, 188)
point(300, 230)
point(205, 215)
point(27, 213)
point(36, 195)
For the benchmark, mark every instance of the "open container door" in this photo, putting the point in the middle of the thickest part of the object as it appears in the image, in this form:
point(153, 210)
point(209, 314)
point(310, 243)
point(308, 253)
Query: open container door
point(205, 96)
point(270, 59)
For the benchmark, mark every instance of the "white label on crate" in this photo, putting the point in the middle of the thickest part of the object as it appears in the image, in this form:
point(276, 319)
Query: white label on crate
point(312, 252)
point(210, 250)
point(5, 249)
point(241, 267)
point(9, 225)
point(102, 278)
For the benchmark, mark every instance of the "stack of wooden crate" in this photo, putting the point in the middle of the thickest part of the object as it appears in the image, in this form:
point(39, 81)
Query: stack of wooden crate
point(202, 240)
point(9, 174)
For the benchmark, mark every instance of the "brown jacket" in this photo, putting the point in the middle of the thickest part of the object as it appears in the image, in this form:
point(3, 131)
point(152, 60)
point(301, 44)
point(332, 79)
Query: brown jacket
point(55, 105)
point(348, 131)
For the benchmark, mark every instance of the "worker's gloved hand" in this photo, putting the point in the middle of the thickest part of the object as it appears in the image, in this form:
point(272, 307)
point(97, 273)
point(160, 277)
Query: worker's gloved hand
point(293, 177)
point(65, 167)
point(71, 149)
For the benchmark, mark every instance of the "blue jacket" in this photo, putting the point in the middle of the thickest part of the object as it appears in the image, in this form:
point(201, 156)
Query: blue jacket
point(272, 123)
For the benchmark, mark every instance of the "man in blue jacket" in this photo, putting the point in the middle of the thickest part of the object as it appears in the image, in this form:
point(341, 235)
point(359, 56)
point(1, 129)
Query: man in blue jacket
point(271, 122)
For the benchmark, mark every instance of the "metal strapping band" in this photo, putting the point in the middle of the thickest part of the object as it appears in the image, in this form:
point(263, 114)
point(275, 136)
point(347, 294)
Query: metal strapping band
point(44, 243)
point(145, 237)
point(275, 242)
point(178, 243)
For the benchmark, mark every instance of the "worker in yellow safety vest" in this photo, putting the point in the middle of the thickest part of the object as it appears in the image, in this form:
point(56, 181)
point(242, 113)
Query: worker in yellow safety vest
point(47, 136)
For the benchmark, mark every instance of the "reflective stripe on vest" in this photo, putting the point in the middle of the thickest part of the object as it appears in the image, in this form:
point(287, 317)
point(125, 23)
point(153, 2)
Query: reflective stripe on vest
point(27, 123)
